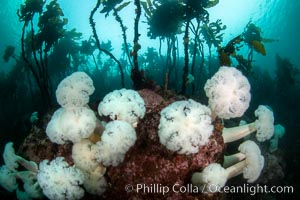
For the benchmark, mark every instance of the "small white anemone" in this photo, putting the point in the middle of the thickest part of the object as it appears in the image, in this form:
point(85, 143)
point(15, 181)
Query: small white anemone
point(248, 162)
point(125, 105)
point(60, 181)
point(212, 177)
point(9, 174)
point(8, 179)
point(116, 140)
point(185, 126)
point(75, 90)
point(83, 156)
point(254, 161)
point(228, 92)
point(12, 160)
point(31, 187)
point(94, 181)
point(263, 126)
point(71, 125)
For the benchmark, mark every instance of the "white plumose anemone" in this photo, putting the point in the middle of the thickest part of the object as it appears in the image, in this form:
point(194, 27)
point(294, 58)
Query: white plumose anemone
point(228, 92)
point(185, 126)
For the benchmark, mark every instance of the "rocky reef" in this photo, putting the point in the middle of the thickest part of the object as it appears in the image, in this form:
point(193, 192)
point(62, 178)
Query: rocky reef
point(148, 162)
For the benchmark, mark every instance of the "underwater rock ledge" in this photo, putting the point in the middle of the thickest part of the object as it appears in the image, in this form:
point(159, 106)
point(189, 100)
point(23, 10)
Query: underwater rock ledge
point(147, 162)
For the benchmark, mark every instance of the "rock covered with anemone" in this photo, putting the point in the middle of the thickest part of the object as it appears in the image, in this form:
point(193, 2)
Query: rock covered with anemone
point(149, 161)
point(143, 160)
point(145, 138)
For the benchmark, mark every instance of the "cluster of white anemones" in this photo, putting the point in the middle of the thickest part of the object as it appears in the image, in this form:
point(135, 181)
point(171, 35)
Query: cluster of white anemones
point(184, 127)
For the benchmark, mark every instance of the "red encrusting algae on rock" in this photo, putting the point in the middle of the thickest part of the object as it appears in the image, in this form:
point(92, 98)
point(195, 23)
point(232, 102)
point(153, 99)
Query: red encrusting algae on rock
point(37, 147)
